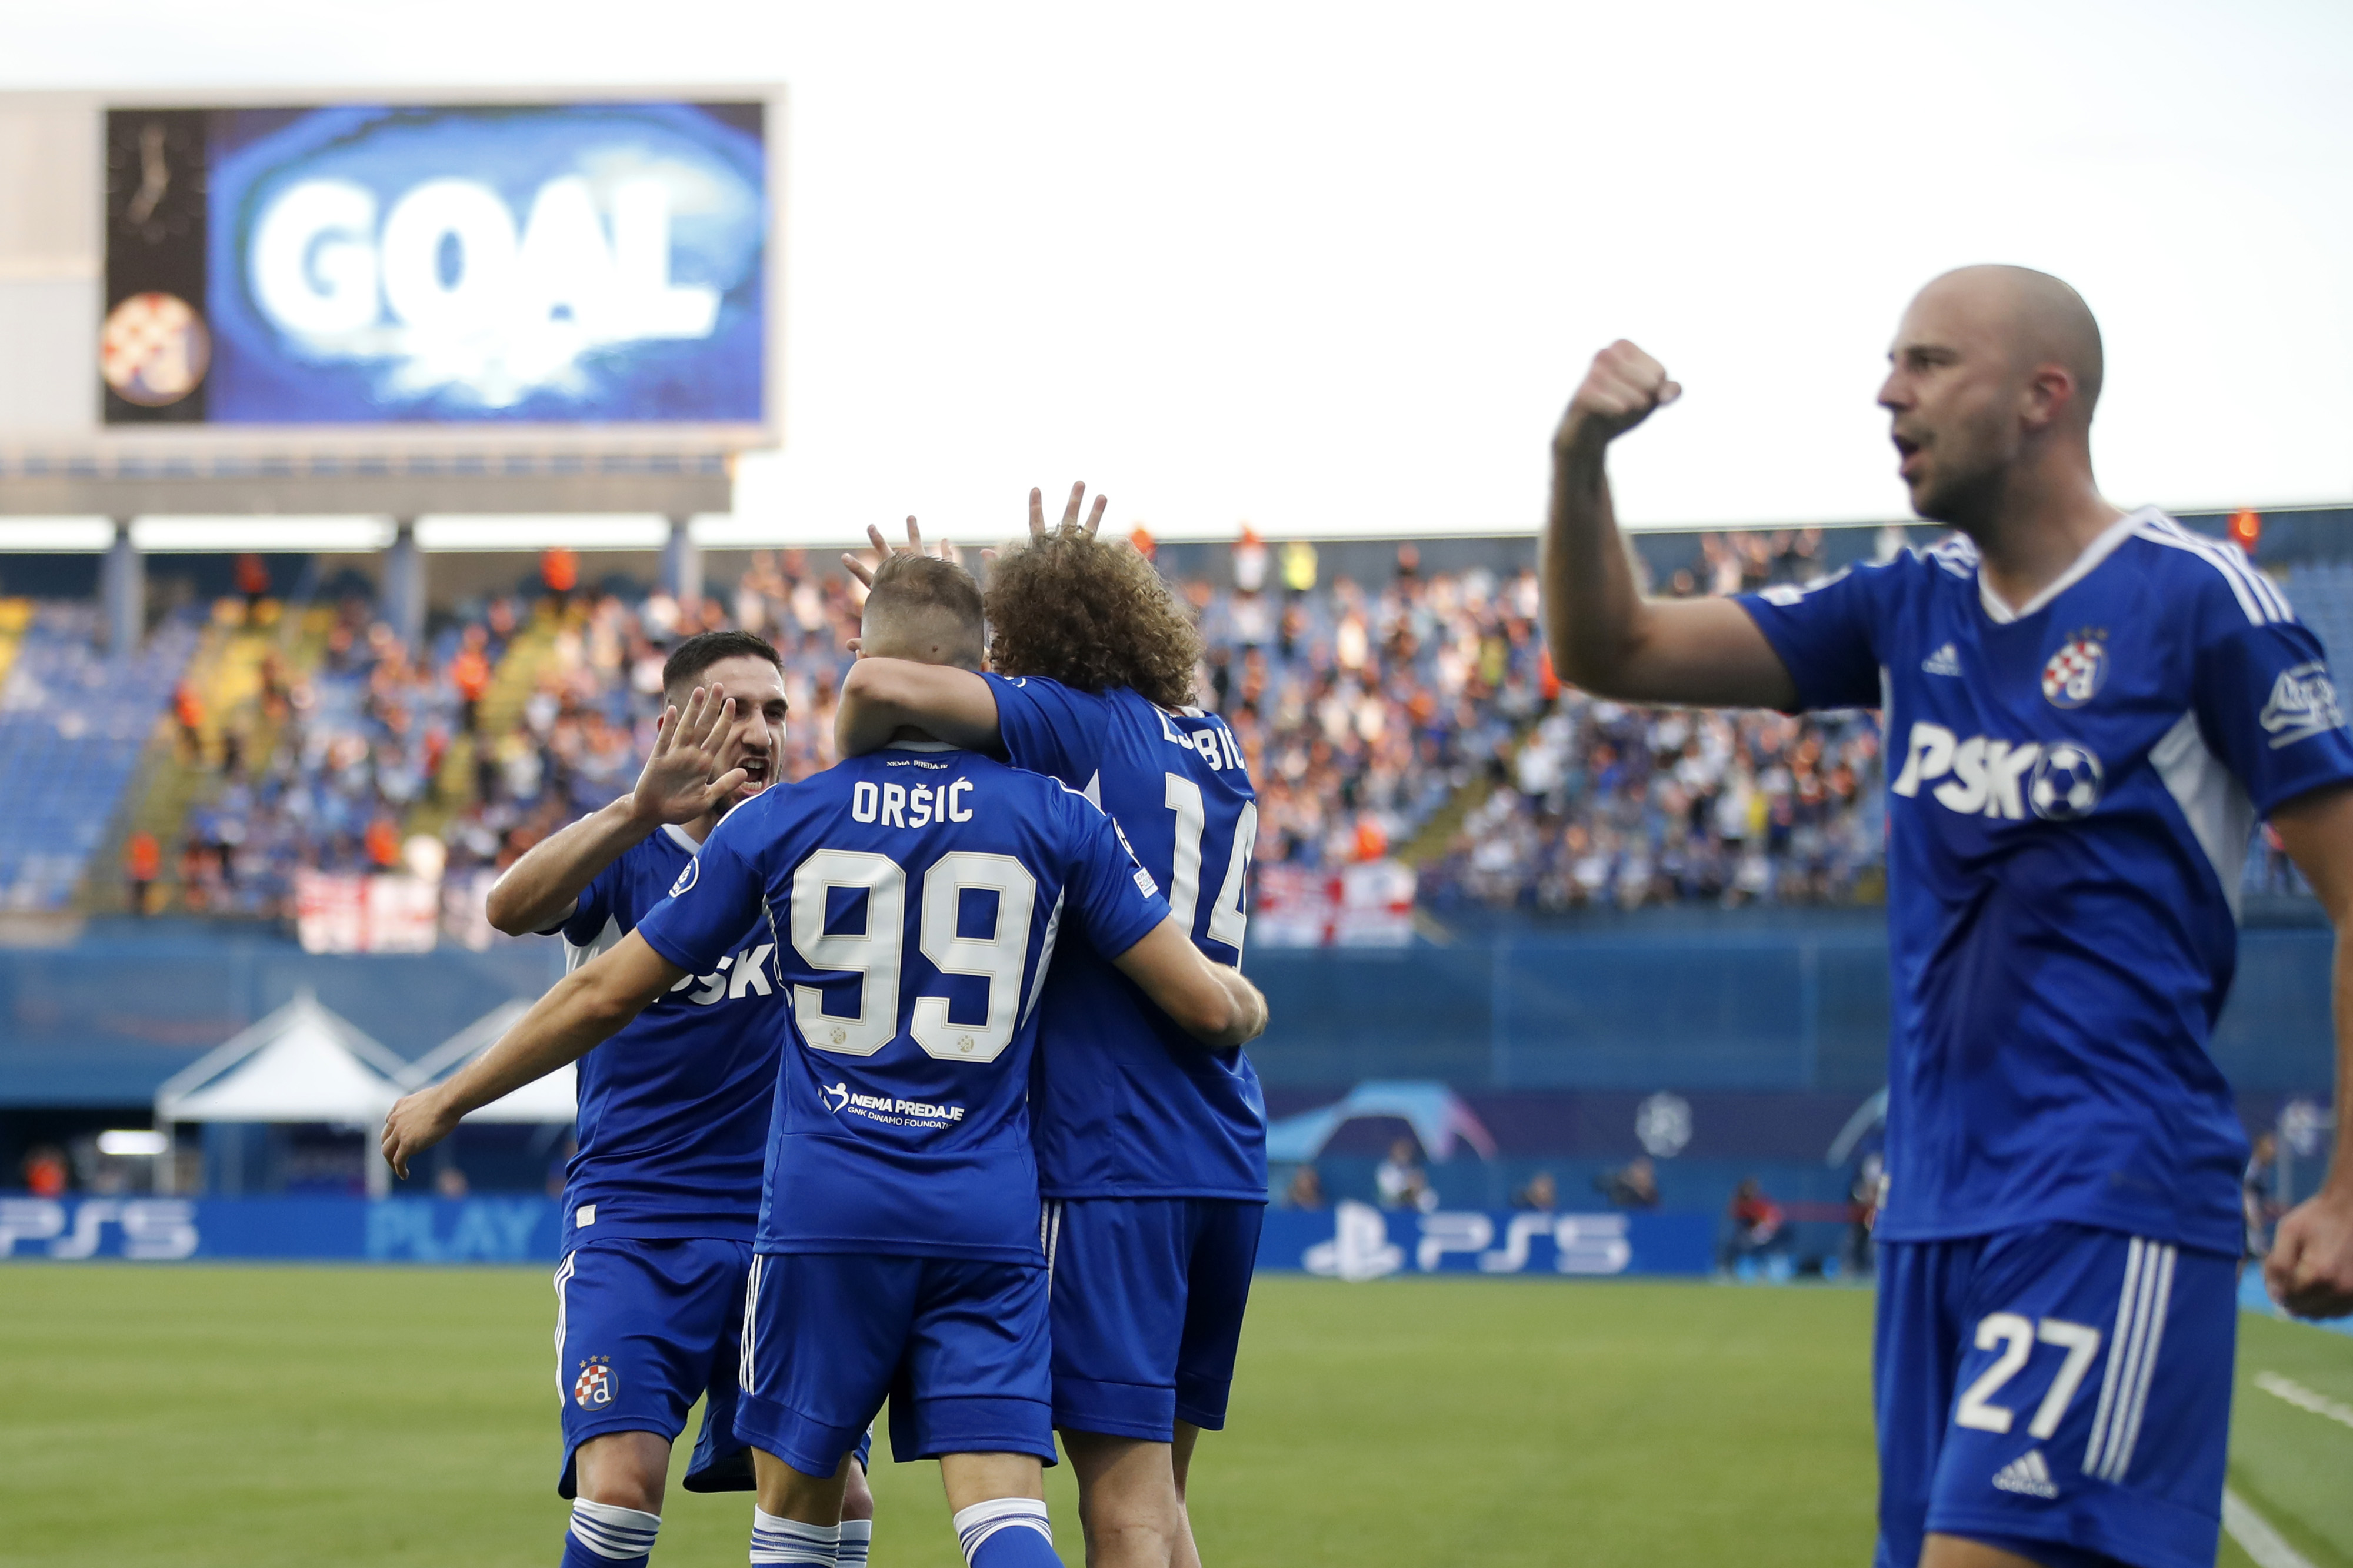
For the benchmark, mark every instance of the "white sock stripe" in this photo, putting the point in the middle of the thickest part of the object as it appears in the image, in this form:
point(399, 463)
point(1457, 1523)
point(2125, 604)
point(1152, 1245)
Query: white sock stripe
point(2164, 1296)
point(777, 1540)
point(2113, 1373)
point(975, 1524)
point(856, 1542)
point(608, 1530)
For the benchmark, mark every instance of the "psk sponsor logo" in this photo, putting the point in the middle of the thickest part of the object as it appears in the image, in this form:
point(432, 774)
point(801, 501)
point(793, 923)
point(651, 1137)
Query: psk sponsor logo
point(1946, 660)
point(2058, 781)
point(686, 878)
point(2028, 1475)
point(2067, 783)
point(593, 1390)
point(2077, 672)
point(2302, 704)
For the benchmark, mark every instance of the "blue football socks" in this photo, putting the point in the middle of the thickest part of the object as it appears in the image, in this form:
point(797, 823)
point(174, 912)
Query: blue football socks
point(1007, 1532)
point(605, 1535)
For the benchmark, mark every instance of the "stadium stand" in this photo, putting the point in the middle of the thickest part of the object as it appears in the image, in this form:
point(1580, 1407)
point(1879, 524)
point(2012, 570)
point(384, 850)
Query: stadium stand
point(72, 726)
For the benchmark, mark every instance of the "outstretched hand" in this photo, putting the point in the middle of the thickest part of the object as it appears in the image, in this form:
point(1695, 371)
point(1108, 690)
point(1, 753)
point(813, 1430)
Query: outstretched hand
point(418, 1122)
point(1070, 513)
point(884, 550)
point(1619, 393)
point(677, 785)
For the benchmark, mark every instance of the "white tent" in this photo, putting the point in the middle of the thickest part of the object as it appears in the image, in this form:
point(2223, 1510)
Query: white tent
point(301, 1063)
point(554, 1097)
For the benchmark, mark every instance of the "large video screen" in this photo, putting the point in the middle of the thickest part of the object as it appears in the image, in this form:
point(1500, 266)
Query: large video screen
point(371, 265)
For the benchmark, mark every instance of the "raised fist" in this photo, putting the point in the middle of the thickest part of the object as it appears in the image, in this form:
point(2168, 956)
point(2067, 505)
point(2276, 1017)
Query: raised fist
point(1618, 393)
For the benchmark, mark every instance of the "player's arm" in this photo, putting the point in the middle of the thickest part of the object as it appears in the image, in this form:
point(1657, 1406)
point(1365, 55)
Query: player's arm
point(584, 1008)
point(1604, 636)
point(540, 890)
point(881, 696)
point(2310, 1269)
point(1213, 1003)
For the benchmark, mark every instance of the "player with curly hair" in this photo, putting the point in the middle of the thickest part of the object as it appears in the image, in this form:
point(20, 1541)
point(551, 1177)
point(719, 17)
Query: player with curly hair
point(1151, 1151)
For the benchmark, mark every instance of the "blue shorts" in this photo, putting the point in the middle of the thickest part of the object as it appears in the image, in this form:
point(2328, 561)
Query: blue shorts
point(1148, 1298)
point(958, 1345)
point(2056, 1391)
point(643, 1329)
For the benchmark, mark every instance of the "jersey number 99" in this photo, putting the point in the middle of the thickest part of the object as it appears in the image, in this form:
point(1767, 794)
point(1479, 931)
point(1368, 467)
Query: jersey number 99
point(874, 954)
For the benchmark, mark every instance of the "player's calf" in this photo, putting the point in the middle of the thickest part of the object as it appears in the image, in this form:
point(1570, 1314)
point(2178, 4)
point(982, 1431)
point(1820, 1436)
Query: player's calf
point(1001, 1509)
point(1128, 1503)
point(619, 1510)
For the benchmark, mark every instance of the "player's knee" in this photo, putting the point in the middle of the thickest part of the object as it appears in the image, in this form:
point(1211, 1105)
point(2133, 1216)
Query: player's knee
point(625, 1470)
point(857, 1498)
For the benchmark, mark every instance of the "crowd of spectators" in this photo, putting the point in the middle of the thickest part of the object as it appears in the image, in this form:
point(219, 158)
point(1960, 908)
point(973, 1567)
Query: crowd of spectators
point(1361, 709)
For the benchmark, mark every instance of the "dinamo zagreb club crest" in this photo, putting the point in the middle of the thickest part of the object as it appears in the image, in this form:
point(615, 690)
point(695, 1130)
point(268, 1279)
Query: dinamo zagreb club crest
point(593, 1390)
point(2077, 671)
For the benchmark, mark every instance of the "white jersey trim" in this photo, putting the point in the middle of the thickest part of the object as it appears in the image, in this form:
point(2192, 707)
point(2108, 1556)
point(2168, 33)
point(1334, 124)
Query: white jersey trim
point(2099, 550)
point(610, 937)
point(2220, 815)
point(680, 836)
point(2256, 594)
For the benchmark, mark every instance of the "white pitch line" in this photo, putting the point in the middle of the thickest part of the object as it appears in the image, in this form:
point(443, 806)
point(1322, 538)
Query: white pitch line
point(2256, 1538)
point(2303, 1398)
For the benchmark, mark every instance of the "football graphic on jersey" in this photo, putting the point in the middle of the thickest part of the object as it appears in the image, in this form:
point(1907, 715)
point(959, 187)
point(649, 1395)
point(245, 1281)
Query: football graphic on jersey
point(2077, 671)
point(594, 1388)
point(2066, 785)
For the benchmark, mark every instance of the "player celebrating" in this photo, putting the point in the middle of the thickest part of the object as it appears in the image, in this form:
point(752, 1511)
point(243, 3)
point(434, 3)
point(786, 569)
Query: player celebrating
point(2086, 711)
point(660, 1202)
point(1151, 1153)
point(914, 898)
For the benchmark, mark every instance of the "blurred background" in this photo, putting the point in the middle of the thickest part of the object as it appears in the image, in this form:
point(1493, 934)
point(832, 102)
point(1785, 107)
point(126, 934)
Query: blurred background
point(382, 392)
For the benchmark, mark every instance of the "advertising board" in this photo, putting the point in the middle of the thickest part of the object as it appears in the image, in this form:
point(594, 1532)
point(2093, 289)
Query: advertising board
point(374, 264)
point(1353, 1241)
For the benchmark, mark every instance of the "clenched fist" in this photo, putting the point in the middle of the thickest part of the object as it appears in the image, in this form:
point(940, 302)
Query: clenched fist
point(1619, 393)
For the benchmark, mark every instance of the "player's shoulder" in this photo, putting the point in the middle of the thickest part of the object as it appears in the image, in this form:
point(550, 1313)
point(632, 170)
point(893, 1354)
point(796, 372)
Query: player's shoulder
point(2212, 574)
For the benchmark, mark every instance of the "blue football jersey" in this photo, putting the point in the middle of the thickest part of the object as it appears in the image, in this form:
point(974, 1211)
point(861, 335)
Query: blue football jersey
point(673, 1121)
point(1126, 1104)
point(2071, 791)
point(915, 897)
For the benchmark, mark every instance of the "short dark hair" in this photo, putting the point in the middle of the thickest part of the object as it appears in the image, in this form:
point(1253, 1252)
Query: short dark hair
point(910, 585)
point(701, 651)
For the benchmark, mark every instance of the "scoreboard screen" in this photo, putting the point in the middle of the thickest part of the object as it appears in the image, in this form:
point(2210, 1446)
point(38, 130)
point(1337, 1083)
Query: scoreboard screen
point(368, 265)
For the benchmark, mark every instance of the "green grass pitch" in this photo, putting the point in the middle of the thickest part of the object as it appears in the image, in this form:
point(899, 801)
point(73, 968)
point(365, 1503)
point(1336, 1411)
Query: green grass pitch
point(252, 1418)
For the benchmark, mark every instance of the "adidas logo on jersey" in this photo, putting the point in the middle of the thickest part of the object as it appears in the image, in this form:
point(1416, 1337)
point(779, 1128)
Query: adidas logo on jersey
point(1946, 660)
point(2028, 1476)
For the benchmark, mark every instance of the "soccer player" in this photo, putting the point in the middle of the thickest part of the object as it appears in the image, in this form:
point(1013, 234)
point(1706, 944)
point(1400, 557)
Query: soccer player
point(661, 1200)
point(914, 898)
point(2085, 710)
point(1151, 1154)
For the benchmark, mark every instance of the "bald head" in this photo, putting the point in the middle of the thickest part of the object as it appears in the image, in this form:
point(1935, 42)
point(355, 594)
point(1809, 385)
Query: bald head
point(2037, 320)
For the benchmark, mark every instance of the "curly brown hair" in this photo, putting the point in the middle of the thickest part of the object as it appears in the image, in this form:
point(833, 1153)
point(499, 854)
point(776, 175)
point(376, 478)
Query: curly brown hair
point(1092, 614)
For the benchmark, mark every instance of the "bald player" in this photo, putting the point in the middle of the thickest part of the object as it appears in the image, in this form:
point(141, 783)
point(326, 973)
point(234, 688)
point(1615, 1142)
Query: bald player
point(2086, 710)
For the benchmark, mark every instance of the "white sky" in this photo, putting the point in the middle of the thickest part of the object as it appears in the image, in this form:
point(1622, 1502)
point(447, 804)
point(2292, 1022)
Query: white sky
point(1335, 269)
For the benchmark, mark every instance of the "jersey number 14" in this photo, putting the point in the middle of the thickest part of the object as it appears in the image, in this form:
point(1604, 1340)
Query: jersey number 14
point(1228, 919)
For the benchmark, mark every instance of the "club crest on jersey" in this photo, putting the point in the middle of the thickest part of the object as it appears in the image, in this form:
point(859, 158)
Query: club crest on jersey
point(686, 878)
point(2077, 672)
point(593, 1390)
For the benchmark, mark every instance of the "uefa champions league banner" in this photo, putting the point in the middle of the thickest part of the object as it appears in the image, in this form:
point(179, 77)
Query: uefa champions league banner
point(1353, 1241)
point(456, 263)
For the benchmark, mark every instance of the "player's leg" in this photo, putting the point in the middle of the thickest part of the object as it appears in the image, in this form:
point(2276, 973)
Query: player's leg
point(1180, 1457)
point(822, 1336)
point(1217, 1295)
point(634, 1324)
point(2093, 1406)
point(858, 1513)
point(1120, 1282)
point(977, 1393)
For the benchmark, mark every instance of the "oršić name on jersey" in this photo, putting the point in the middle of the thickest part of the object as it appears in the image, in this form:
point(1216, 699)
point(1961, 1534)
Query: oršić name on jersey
point(902, 806)
point(2058, 781)
point(844, 1101)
